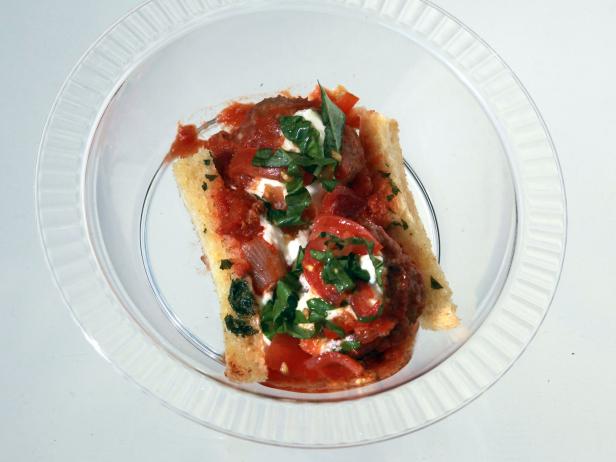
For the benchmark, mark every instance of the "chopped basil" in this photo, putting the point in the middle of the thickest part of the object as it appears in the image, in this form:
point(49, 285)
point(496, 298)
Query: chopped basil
point(226, 264)
point(296, 202)
point(270, 158)
point(207, 161)
point(211, 177)
point(333, 119)
point(329, 185)
point(296, 268)
point(239, 327)
point(204, 186)
point(334, 328)
point(435, 284)
point(302, 133)
point(319, 305)
point(353, 267)
point(340, 243)
point(385, 174)
point(346, 346)
point(241, 298)
point(389, 197)
point(278, 315)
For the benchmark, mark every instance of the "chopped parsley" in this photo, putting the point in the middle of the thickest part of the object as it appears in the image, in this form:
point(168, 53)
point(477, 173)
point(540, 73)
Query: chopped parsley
point(241, 298)
point(403, 224)
point(349, 345)
point(435, 284)
point(239, 327)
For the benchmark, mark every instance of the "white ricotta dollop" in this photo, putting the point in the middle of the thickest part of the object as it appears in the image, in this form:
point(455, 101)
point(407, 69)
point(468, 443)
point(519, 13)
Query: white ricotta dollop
point(291, 249)
point(314, 118)
point(258, 185)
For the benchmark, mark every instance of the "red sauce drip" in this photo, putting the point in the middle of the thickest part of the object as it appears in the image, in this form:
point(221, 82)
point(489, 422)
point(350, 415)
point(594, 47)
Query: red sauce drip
point(233, 115)
point(186, 142)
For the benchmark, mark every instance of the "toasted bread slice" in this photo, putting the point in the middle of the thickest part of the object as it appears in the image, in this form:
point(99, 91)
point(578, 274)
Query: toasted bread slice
point(244, 356)
point(379, 137)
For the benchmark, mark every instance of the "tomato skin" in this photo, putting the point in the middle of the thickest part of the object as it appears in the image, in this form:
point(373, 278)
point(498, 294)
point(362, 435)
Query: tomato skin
point(370, 331)
point(365, 302)
point(334, 366)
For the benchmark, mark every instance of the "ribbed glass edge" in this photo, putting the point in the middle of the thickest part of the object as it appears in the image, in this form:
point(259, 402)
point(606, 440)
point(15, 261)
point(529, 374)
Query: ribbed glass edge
point(464, 376)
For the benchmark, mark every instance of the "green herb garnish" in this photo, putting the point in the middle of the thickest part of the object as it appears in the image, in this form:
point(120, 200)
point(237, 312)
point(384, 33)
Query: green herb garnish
point(435, 284)
point(333, 119)
point(211, 177)
point(207, 161)
point(241, 298)
point(403, 224)
point(346, 346)
point(341, 243)
point(239, 327)
point(204, 186)
point(226, 264)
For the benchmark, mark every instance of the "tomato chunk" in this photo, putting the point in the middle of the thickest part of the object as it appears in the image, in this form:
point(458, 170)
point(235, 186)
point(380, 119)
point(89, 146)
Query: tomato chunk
point(334, 366)
point(366, 303)
point(370, 331)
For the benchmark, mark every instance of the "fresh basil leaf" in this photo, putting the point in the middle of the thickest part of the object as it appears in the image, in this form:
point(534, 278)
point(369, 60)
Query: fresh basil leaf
point(333, 119)
point(241, 298)
point(435, 284)
point(334, 328)
point(346, 346)
point(239, 327)
point(303, 134)
point(329, 185)
point(299, 332)
point(319, 305)
point(269, 158)
point(297, 268)
point(320, 256)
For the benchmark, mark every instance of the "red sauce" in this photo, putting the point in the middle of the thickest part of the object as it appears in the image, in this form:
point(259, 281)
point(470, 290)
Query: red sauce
point(233, 115)
point(241, 214)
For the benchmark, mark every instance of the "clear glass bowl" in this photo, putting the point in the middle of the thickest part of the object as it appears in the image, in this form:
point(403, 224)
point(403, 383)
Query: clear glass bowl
point(126, 259)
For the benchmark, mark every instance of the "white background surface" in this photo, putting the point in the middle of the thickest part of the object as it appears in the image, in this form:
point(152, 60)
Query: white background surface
point(60, 401)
